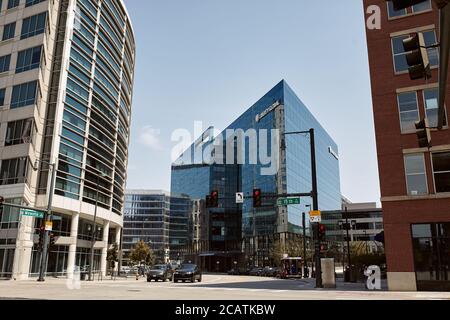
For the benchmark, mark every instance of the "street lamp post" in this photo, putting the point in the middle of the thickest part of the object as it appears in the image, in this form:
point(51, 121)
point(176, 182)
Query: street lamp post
point(48, 218)
point(314, 192)
point(347, 226)
point(94, 230)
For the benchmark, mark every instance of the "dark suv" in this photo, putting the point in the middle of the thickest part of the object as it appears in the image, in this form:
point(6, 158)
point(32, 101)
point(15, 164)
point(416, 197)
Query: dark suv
point(159, 272)
point(190, 272)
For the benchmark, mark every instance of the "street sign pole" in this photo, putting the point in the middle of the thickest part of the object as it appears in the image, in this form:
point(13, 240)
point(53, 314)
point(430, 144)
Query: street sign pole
point(48, 218)
point(315, 199)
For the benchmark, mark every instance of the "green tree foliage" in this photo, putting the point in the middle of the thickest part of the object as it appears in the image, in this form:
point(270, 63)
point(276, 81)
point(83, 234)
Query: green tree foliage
point(142, 253)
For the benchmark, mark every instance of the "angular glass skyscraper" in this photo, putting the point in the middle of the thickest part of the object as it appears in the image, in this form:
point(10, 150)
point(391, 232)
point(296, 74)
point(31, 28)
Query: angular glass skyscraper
point(240, 232)
point(67, 70)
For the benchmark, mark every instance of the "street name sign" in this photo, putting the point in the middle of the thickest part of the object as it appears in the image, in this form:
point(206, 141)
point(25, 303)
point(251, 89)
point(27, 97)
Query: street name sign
point(32, 213)
point(288, 201)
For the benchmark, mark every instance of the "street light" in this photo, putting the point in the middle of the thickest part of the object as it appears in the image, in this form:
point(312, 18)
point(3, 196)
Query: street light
point(94, 231)
point(48, 217)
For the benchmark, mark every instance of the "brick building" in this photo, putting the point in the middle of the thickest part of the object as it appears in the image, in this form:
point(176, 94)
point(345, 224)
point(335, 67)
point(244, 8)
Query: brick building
point(415, 182)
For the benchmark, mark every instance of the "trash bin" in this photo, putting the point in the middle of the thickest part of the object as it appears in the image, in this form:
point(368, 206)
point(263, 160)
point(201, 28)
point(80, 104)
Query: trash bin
point(354, 274)
point(347, 274)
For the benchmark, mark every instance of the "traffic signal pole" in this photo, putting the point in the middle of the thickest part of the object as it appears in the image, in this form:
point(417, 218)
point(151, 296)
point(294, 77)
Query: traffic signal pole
point(48, 217)
point(444, 56)
point(315, 199)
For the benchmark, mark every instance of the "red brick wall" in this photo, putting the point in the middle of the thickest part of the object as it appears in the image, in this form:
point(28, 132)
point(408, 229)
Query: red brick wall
point(398, 216)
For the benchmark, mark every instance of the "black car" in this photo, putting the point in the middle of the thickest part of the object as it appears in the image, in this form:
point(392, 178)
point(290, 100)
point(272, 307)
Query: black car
point(256, 271)
point(234, 272)
point(190, 272)
point(159, 272)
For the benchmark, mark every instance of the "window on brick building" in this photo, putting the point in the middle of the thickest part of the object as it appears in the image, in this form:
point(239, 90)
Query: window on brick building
point(395, 13)
point(424, 6)
point(420, 7)
point(430, 98)
point(441, 168)
point(408, 110)
point(416, 177)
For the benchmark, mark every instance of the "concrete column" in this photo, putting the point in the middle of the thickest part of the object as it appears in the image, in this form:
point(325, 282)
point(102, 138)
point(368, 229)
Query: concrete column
point(103, 261)
point(73, 245)
point(118, 233)
point(23, 250)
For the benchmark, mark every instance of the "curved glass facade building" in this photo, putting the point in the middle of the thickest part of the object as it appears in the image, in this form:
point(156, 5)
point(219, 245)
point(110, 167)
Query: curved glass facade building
point(71, 65)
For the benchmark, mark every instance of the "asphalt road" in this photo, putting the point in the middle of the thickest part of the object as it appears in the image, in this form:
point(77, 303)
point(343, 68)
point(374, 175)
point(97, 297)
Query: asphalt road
point(213, 287)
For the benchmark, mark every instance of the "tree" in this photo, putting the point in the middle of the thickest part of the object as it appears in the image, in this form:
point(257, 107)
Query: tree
point(113, 256)
point(293, 248)
point(142, 253)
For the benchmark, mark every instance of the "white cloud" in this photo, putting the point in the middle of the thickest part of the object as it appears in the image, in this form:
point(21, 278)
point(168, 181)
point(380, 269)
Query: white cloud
point(149, 137)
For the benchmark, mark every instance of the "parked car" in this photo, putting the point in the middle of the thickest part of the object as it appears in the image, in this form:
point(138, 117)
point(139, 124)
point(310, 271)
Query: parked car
point(270, 272)
point(256, 271)
point(190, 272)
point(159, 272)
point(234, 272)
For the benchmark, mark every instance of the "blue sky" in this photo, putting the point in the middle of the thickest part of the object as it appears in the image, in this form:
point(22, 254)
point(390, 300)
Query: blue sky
point(209, 60)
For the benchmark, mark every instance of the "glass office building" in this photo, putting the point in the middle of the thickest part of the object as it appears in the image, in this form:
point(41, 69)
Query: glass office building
point(241, 232)
point(146, 218)
point(66, 95)
point(159, 219)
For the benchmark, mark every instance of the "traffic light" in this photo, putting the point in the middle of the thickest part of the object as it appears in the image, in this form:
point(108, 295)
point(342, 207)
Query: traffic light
point(417, 57)
point(257, 201)
point(52, 240)
point(215, 199)
point(424, 133)
point(441, 3)
point(322, 232)
point(403, 4)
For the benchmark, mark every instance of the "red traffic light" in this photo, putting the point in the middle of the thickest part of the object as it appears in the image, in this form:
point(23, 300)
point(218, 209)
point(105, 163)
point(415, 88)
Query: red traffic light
point(322, 228)
point(257, 202)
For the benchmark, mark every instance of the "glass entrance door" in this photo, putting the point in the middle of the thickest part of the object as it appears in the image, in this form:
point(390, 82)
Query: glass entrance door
point(431, 243)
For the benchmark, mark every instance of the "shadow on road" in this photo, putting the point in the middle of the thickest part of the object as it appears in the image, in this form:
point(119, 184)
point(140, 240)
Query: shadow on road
point(292, 285)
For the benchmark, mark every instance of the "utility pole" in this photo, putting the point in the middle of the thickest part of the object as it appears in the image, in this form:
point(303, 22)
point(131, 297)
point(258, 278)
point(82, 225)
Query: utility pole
point(347, 226)
point(315, 199)
point(444, 56)
point(47, 218)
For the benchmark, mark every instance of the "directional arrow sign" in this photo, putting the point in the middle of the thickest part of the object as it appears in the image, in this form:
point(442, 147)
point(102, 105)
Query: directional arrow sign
point(32, 213)
point(288, 201)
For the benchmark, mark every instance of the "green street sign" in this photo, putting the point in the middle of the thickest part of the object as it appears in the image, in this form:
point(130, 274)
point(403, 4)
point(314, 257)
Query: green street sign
point(288, 201)
point(32, 213)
